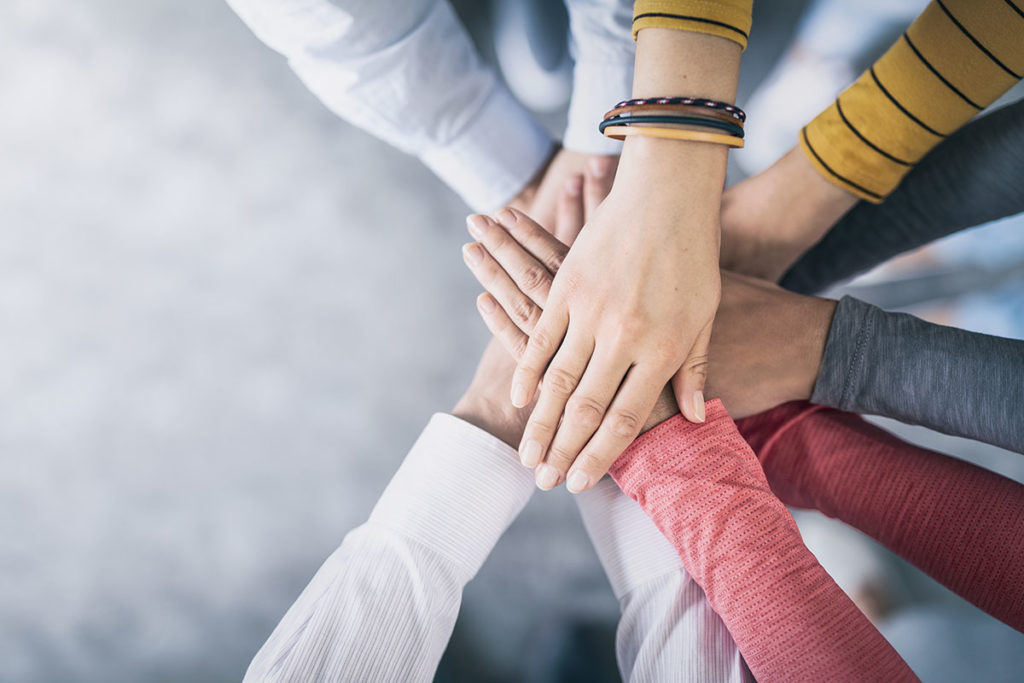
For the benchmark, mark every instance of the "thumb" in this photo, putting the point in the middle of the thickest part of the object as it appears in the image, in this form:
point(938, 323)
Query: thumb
point(688, 383)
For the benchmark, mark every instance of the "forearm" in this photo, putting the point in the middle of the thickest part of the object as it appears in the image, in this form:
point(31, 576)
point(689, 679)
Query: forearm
point(705, 490)
point(955, 521)
point(893, 364)
point(971, 178)
point(408, 73)
point(668, 630)
point(383, 606)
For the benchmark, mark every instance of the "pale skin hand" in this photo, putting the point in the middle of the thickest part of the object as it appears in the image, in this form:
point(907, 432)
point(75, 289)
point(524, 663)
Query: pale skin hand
point(771, 219)
point(633, 304)
point(766, 346)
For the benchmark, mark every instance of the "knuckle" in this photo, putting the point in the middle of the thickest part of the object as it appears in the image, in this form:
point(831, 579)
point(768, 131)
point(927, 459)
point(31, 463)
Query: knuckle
point(593, 464)
point(560, 382)
point(534, 278)
point(560, 458)
point(542, 342)
point(517, 344)
point(697, 365)
point(523, 312)
point(554, 262)
point(624, 424)
point(585, 412)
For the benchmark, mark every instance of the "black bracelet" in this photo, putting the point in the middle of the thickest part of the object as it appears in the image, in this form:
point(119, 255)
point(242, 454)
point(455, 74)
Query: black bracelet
point(626, 120)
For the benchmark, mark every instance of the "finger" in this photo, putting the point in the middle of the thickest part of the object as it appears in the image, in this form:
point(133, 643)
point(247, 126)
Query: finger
point(621, 425)
point(560, 381)
point(545, 339)
point(569, 211)
point(597, 182)
point(586, 408)
point(530, 275)
point(688, 382)
point(501, 326)
point(536, 240)
point(495, 280)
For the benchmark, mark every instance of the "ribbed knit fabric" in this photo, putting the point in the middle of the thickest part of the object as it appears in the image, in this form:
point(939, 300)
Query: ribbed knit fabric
point(723, 18)
point(705, 490)
point(959, 523)
point(668, 631)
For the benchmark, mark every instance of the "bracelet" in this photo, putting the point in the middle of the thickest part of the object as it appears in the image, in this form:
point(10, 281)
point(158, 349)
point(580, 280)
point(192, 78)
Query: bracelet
point(732, 109)
point(676, 110)
point(622, 132)
point(699, 121)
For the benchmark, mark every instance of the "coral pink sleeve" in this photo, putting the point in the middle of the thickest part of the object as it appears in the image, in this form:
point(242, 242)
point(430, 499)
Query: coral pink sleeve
point(705, 490)
point(959, 523)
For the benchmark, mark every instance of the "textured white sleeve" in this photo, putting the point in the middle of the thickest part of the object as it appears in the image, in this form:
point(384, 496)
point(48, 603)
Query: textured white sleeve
point(383, 606)
point(603, 52)
point(668, 631)
point(407, 72)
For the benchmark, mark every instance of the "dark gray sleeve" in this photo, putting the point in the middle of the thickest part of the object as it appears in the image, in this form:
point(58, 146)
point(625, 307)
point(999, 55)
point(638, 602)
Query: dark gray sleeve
point(975, 176)
point(950, 380)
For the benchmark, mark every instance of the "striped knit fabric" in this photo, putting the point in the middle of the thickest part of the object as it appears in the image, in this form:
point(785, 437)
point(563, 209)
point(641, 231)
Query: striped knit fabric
point(723, 18)
point(959, 523)
point(957, 58)
point(704, 488)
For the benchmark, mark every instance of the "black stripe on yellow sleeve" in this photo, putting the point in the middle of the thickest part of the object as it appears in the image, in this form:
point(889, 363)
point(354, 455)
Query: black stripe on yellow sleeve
point(803, 132)
point(942, 78)
point(977, 44)
point(701, 20)
point(901, 107)
point(839, 108)
point(1016, 9)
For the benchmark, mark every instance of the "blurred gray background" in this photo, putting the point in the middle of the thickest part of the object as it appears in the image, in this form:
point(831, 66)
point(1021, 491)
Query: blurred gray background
point(225, 315)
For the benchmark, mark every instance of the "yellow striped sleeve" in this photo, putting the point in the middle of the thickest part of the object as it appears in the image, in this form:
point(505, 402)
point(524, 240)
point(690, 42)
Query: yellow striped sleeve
point(724, 18)
point(957, 58)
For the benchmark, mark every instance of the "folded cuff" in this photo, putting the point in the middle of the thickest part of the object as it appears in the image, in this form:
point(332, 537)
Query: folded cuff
point(457, 492)
point(495, 156)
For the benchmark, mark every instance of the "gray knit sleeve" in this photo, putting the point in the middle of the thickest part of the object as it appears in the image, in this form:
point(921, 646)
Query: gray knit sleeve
point(899, 366)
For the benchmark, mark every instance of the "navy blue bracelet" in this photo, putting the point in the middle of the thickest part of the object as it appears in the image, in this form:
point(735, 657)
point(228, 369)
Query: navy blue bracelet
point(634, 119)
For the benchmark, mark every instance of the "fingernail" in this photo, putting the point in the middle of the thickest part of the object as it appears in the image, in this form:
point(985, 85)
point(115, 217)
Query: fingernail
point(476, 225)
point(574, 186)
point(577, 481)
point(598, 166)
point(531, 453)
point(486, 303)
point(472, 253)
point(506, 218)
point(547, 477)
point(518, 395)
point(698, 405)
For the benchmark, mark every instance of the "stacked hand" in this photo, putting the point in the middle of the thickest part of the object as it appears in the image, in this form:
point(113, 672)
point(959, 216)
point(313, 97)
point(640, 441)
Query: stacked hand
point(765, 347)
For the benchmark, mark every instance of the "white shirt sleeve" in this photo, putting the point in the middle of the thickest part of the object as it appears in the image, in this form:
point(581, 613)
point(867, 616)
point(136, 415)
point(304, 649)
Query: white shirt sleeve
point(407, 72)
point(602, 47)
point(668, 631)
point(383, 606)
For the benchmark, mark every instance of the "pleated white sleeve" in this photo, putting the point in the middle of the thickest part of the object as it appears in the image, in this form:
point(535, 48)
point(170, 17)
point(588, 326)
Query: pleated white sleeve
point(383, 606)
point(406, 71)
point(668, 631)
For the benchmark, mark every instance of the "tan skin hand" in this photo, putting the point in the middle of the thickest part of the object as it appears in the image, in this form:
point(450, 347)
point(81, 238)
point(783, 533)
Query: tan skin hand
point(771, 219)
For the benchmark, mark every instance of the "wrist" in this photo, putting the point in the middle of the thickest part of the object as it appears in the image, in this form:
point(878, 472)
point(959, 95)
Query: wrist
point(814, 323)
point(494, 418)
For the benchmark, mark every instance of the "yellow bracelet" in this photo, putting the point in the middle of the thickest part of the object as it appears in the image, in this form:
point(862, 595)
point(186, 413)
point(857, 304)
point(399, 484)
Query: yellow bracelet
point(622, 132)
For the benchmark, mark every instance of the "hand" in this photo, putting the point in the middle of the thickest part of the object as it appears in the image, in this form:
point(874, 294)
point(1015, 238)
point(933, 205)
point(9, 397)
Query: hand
point(766, 344)
point(539, 198)
point(771, 219)
point(485, 403)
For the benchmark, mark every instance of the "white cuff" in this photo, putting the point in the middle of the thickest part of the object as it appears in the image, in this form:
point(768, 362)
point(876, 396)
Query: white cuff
point(495, 156)
point(631, 548)
point(457, 492)
point(596, 88)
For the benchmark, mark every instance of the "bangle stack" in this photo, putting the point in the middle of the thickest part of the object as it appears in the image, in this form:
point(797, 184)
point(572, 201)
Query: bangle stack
point(676, 118)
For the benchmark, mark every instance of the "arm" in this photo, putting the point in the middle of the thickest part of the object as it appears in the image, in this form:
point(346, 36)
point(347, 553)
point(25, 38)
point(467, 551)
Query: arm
point(971, 178)
point(954, 381)
point(383, 606)
point(645, 268)
point(956, 59)
point(668, 631)
point(704, 488)
point(955, 521)
point(406, 71)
